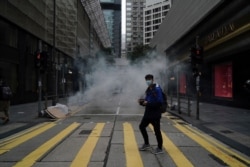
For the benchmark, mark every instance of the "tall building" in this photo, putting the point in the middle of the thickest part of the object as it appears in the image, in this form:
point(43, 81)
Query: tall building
point(153, 15)
point(69, 33)
point(134, 24)
point(112, 14)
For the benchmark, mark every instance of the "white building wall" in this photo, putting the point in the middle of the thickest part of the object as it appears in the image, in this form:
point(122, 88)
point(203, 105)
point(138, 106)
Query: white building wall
point(180, 19)
point(134, 24)
point(153, 15)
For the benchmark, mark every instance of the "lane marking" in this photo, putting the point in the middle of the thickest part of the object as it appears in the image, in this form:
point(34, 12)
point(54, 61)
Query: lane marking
point(210, 147)
point(9, 139)
point(83, 156)
point(221, 146)
point(108, 114)
point(5, 147)
point(175, 153)
point(118, 110)
point(31, 158)
point(133, 157)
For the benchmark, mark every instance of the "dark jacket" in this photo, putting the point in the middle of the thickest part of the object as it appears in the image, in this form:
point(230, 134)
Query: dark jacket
point(154, 100)
point(5, 91)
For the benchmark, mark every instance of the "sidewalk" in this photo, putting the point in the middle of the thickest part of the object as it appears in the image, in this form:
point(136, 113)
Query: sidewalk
point(23, 116)
point(229, 125)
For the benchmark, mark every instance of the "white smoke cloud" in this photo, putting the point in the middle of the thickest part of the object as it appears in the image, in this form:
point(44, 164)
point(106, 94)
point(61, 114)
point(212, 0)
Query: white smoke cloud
point(105, 80)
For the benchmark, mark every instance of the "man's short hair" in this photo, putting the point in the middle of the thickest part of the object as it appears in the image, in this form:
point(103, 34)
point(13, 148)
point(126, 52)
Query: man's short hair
point(149, 76)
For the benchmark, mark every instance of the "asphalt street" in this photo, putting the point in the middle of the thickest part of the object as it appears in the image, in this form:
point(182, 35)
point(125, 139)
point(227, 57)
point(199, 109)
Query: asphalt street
point(228, 125)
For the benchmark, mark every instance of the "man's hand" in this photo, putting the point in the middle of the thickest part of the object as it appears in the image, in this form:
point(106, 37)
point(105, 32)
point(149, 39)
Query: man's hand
point(144, 103)
point(141, 101)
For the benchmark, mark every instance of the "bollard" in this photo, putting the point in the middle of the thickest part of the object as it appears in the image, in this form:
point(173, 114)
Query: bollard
point(171, 101)
point(188, 108)
point(54, 101)
point(197, 106)
point(179, 104)
point(46, 101)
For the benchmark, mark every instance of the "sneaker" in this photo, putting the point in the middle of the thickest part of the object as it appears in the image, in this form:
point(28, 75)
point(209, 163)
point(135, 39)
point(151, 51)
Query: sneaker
point(144, 147)
point(157, 151)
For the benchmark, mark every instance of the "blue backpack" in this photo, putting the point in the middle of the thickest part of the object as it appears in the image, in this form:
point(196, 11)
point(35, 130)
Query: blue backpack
point(164, 104)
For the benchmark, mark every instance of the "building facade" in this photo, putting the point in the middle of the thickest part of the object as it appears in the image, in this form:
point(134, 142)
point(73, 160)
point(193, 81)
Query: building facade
point(112, 14)
point(222, 29)
point(153, 15)
point(62, 30)
point(134, 24)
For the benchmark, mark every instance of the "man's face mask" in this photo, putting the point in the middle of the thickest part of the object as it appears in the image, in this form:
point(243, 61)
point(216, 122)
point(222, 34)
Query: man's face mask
point(149, 82)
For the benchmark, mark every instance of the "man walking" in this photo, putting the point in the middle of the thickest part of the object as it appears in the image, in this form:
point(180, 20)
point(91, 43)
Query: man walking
point(5, 95)
point(152, 114)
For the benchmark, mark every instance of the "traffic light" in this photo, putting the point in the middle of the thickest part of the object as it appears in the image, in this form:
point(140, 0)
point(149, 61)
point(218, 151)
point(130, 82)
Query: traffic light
point(196, 55)
point(196, 72)
point(44, 60)
point(199, 54)
point(38, 59)
point(41, 60)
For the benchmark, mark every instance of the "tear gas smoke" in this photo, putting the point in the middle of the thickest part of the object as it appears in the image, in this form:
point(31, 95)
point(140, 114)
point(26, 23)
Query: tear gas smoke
point(104, 79)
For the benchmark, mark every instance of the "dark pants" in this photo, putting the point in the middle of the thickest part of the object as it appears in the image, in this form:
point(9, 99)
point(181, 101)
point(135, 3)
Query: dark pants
point(157, 129)
point(4, 107)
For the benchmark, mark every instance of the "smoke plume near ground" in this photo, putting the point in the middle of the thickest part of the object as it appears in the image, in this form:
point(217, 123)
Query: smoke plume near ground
point(106, 80)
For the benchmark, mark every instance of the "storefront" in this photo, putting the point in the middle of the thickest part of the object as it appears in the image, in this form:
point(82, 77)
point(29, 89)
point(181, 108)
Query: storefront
point(225, 36)
point(18, 66)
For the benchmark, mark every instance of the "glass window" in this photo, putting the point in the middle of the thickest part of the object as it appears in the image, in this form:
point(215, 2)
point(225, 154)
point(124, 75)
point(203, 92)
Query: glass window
point(166, 7)
point(148, 29)
point(128, 34)
point(223, 78)
point(156, 27)
point(148, 34)
point(8, 34)
point(148, 12)
point(128, 24)
point(128, 29)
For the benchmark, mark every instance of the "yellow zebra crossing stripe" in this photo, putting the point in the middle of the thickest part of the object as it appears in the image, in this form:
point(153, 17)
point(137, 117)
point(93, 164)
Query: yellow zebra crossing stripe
point(177, 156)
point(10, 139)
point(211, 140)
point(31, 158)
point(132, 153)
point(133, 157)
point(226, 158)
point(5, 147)
point(83, 156)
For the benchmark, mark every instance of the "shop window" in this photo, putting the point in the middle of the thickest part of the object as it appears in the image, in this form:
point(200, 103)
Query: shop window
point(223, 78)
point(8, 34)
point(183, 83)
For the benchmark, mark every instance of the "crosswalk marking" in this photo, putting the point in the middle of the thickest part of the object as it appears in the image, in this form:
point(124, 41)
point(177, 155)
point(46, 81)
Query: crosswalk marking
point(211, 148)
point(17, 141)
point(133, 158)
point(175, 153)
point(211, 140)
point(16, 135)
point(83, 157)
point(132, 154)
point(30, 159)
